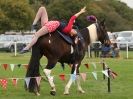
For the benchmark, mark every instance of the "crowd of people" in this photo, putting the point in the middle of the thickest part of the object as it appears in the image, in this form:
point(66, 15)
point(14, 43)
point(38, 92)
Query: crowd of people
point(105, 51)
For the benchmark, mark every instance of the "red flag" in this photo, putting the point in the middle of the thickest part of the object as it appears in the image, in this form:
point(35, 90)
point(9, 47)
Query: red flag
point(113, 74)
point(62, 77)
point(83, 75)
point(14, 81)
point(87, 65)
point(3, 83)
point(5, 66)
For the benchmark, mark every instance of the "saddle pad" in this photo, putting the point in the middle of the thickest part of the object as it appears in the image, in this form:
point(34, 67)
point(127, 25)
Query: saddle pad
point(67, 38)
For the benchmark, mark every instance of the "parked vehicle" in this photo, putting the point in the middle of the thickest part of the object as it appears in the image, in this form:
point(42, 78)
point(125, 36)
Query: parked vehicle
point(125, 37)
point(7, 42)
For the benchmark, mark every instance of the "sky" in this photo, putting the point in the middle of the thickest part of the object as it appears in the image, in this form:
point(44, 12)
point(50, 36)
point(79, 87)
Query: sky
point(129, 2)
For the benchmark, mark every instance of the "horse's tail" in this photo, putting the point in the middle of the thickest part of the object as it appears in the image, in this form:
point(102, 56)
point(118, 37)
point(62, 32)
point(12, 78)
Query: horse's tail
point(33, 69)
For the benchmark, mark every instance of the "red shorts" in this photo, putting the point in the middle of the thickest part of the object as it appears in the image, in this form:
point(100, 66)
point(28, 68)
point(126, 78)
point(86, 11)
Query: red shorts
point(52, 25)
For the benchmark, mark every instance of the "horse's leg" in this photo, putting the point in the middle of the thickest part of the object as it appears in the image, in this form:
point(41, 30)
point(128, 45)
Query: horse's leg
point(78, 80)
point(47, 71)
point(67, 87)
point(74, 67)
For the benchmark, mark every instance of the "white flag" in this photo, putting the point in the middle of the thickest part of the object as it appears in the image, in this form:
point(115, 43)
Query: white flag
point(95, 75)
point(12, 66)
point(94, 64)
point(27, 80)
point(105, 72)
point(83, 75)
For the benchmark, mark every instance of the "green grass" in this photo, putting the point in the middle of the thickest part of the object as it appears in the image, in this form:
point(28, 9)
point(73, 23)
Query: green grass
point(121, 87)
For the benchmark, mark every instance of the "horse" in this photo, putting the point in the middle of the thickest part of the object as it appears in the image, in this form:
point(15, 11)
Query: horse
point(56, 49)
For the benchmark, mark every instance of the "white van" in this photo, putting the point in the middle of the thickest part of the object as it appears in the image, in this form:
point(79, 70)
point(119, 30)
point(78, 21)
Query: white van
point(125, 37)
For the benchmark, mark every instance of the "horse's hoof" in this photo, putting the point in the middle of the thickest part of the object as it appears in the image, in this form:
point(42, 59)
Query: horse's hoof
point(81, 91)
point(66, 93)
point(37, 93)
point(53, 93)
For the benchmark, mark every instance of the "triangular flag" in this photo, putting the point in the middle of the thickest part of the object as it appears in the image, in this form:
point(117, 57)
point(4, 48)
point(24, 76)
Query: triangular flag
point(95, 75)
point(14, 81)
point(94, 64)
point(105, 72)
point(87, 65)
point(62, 77)
point(19, 65)
point(113, 74)
point(70, 65)
point(27, 80)
point(73, 77)
point(4, 83)
point(83, 75)
point(5, 66)
point(12, 66)
point(26, 66)
point(38, 80)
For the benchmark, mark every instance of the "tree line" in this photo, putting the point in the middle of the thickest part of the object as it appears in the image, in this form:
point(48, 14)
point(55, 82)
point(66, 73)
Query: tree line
point(19, 14)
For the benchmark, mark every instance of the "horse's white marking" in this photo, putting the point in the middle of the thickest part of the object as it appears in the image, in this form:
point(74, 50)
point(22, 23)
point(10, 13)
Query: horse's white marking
point(93, 33)
point(72, 49)
point(66, 92)
point(50, 78)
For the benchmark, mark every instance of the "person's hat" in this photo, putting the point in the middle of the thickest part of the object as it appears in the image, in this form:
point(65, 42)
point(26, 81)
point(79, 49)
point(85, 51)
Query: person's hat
point(91, 18)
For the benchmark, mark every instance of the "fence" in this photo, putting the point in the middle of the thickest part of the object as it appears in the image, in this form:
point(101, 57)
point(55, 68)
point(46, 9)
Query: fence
point(15, 47)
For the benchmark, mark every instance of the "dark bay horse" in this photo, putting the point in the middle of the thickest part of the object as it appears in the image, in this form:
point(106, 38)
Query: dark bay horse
point(60, 51)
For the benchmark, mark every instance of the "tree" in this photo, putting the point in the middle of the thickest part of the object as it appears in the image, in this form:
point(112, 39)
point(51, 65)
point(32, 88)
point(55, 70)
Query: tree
point(15, 15)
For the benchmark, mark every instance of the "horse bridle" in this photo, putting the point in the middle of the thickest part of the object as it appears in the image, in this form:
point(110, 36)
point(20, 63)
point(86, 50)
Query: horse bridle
point(106, 37)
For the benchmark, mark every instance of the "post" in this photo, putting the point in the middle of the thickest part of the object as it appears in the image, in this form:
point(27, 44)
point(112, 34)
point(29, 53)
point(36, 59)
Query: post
point(109, 88)
point(103, 69)
point(127, 49)
point(89, 51)
point(15, 48)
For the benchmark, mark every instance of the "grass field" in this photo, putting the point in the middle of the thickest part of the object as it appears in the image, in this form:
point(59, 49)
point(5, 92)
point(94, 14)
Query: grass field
point(121, 87)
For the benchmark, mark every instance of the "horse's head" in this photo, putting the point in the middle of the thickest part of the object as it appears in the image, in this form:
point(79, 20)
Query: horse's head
point(102, 32)
point(98, 32)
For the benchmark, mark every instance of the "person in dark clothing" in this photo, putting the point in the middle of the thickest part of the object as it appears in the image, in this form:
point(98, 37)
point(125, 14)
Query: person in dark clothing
point(96, 49)
point(105, 50)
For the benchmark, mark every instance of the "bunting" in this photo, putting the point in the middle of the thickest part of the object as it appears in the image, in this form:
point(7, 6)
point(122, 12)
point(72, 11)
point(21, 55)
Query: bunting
point(26, 66)
point(113, 74)
point(38, 80)
point(14, 81)
point(83, 76)
point(73, 77)
point(5, 66)
point(105, 72)
point(19, 65)
point(3, 83)
point(95, 75)
point(94, 65)
point(27, 80)
point(87, 66)
point(62, 77)
point(12, 66)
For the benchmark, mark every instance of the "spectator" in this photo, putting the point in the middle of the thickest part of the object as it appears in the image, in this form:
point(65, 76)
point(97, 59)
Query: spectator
point(96, 49)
